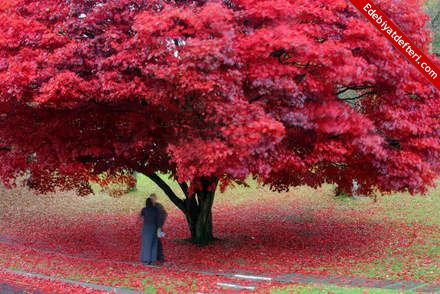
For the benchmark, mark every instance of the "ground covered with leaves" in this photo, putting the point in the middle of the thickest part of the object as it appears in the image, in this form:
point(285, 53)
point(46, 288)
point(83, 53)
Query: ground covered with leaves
point(97, 238)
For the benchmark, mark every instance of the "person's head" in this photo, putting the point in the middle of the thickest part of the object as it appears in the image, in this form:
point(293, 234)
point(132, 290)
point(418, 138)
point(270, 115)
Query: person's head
point(153, 197)
point(149, 202)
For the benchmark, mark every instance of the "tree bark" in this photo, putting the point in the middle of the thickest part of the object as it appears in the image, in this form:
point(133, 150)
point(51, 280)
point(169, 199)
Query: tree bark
point(197, 207)
point(199, 216)
point(168, 191)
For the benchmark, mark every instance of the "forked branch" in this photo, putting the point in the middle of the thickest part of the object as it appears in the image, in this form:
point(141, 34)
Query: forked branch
point(168, 191)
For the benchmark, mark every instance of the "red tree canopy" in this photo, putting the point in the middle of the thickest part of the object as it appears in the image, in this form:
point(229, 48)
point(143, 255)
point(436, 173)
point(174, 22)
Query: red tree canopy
point(291, 92)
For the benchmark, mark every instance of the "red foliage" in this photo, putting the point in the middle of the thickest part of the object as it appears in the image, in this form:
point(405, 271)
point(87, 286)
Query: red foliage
point(211, 88)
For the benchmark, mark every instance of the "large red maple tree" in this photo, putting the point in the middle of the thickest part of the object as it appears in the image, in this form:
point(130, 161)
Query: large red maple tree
point(290, 92)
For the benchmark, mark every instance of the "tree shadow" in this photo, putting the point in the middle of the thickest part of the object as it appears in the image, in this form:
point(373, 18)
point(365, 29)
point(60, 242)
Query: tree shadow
point(280, 243)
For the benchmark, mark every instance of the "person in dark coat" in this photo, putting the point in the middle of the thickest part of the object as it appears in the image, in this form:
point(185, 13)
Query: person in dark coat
point(162, 218)
point(150, 238)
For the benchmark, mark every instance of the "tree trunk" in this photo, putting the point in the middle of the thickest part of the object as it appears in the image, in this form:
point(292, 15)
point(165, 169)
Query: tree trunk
point(197, 207)
point(199, 216)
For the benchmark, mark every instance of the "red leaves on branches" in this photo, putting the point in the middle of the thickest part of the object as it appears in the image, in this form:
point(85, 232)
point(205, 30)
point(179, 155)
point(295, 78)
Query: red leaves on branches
point(292, 92)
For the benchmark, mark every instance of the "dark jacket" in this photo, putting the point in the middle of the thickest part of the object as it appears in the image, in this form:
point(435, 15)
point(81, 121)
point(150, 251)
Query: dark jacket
point(162, 215)
point(151, 216)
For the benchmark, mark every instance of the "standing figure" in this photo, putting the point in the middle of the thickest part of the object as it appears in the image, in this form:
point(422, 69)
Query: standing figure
point(150, 239)
point(162, 218)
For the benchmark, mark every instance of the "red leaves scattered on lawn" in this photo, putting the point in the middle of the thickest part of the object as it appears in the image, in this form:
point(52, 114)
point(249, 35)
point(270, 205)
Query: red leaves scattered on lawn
point(257, 237)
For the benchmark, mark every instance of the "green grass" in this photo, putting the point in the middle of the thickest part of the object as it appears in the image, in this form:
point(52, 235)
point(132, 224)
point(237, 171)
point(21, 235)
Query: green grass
point(315, 289)
point(399, 208)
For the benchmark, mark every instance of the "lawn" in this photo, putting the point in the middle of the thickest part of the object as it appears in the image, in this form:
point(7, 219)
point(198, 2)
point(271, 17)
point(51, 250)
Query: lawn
point(315, 289)
point(96, 238)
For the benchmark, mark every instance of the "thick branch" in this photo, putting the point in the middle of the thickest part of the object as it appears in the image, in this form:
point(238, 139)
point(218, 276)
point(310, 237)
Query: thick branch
point(256, 99)
point(184, 187)
point(5, 148)
point(168, 191)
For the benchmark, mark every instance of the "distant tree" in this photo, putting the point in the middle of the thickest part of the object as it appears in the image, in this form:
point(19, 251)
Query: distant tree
point(290, 92)
point(433, 8)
